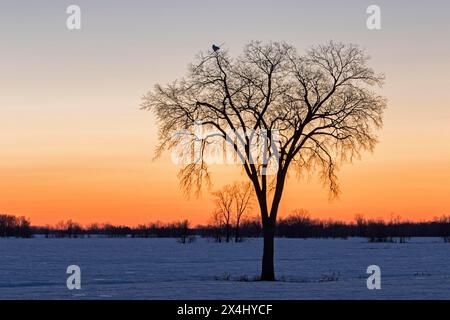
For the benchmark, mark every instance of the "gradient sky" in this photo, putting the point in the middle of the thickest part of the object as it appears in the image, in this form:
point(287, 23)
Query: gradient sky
point(74, 144)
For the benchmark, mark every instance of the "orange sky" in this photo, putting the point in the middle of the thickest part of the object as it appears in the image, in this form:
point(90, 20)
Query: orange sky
point(74, 144)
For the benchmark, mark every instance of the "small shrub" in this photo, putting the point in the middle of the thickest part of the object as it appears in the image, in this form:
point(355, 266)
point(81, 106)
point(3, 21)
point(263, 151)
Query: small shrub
point(332, 277)
point(224, 277)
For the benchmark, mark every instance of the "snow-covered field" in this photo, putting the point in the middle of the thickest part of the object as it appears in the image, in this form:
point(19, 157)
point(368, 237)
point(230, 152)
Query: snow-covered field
point(166, 269)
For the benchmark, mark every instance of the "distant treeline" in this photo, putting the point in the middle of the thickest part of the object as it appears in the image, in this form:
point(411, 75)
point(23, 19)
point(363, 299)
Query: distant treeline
point(294, 226)
point(11, 226)
point(302, 226)
point(71, 229)
point(374, 230)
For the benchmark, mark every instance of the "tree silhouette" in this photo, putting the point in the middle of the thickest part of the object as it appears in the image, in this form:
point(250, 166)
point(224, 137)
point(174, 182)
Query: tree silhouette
point(242, 197)
point(224, 199)
point(216, 225)
point(316, 110)
point(232, 203)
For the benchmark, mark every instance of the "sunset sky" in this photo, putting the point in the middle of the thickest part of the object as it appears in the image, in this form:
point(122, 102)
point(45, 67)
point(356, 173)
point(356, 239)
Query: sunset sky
point(74, 144)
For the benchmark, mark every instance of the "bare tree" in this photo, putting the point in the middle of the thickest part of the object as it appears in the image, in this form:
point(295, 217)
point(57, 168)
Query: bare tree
point(216, 222)
point(321, 106)
point(183, 229)
point(242, 196)
point(232, 202)
point(224, 204)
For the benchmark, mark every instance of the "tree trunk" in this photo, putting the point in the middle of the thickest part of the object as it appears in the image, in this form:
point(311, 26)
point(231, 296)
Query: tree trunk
point(268, 270)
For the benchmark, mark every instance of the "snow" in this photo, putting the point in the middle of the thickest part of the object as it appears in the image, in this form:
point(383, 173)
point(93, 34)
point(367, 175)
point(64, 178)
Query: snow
point(165, 269)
